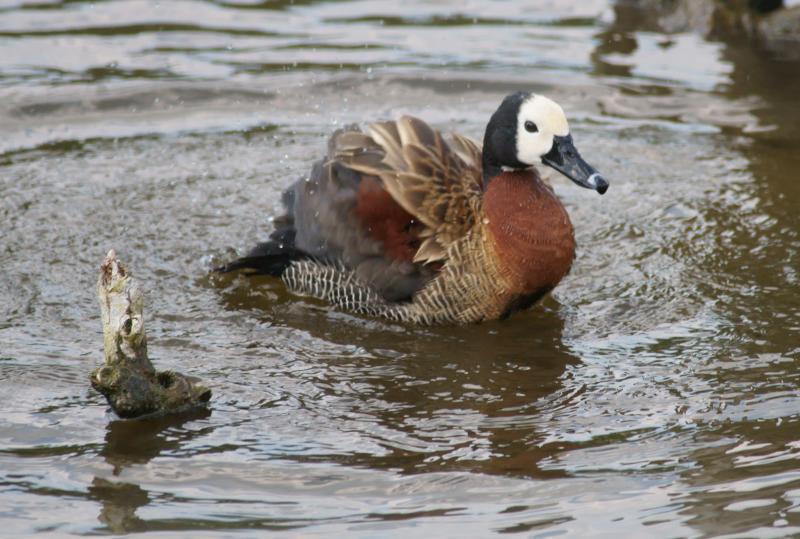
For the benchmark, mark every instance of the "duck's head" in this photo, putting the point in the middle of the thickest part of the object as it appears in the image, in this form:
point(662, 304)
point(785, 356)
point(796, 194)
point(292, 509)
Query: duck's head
point(528, 129)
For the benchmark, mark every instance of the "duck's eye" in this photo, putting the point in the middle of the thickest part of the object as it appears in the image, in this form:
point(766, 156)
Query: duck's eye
point(530, 127)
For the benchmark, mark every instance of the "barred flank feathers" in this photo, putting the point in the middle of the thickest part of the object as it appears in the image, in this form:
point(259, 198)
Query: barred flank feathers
point(456, 296)
point(335, 284)
point(343, 289)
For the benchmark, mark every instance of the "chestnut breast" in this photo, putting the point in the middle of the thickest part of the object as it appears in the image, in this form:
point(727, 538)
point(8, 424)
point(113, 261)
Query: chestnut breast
point(533, 236)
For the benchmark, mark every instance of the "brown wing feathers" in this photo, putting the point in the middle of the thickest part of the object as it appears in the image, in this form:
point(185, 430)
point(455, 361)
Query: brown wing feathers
point(387, 225)
point(438, 186)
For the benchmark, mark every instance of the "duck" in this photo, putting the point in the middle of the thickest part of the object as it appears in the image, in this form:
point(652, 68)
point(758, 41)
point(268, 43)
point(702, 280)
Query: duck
point(401, 222)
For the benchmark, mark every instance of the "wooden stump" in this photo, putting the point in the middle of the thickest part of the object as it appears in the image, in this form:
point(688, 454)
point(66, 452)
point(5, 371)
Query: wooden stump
point(128, 379)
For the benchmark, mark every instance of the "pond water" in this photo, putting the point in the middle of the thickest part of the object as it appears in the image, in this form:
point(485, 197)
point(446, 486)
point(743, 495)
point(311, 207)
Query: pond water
point(655, 394)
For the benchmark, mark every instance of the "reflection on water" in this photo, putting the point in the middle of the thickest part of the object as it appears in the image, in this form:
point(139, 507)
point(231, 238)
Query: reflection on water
point(653, 395)
point(128, 443)
point(140, 441)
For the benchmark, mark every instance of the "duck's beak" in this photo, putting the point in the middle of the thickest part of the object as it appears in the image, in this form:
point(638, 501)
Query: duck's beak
point(564, 157)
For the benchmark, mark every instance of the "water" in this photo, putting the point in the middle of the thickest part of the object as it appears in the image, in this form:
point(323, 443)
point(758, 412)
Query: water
point(654, 395)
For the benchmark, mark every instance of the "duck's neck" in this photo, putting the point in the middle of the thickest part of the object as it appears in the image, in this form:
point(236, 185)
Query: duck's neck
point(491, 169)
point(496, 150)
point(532, 233)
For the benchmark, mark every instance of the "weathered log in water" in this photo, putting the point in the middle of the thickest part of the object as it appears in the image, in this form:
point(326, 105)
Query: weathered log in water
point(128, 379)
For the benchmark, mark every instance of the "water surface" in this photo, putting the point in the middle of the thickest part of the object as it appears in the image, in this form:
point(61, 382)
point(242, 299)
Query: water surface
point(655, 394)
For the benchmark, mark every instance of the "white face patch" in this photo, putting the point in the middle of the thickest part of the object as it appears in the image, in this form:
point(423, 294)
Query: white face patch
point(549, 118)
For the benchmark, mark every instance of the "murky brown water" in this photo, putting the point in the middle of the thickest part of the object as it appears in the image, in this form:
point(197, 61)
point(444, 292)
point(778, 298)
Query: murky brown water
point(655, 395)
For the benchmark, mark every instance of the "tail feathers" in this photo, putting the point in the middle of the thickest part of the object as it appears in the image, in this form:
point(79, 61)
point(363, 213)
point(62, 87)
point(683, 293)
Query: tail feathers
point(267, 258)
